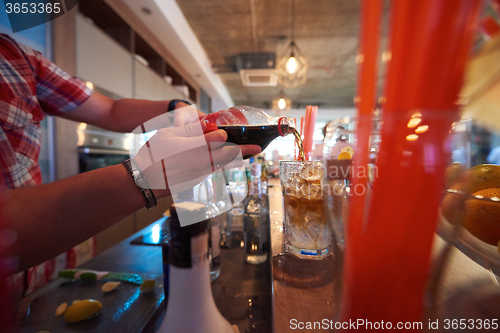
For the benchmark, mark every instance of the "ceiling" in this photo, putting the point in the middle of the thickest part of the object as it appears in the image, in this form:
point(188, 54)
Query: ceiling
point(326, 31)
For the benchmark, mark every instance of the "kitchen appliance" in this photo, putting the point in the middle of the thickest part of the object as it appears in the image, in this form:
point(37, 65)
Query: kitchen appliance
point(98, 148)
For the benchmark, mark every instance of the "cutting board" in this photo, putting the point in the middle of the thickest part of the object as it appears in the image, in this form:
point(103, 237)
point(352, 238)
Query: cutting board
point(125, 309)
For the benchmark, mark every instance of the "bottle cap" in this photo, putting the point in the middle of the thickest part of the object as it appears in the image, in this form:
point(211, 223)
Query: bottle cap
point(256, 169)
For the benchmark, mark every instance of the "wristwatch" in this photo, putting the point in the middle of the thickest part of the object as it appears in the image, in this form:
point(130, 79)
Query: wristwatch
point(173, 103)
point(141, 183)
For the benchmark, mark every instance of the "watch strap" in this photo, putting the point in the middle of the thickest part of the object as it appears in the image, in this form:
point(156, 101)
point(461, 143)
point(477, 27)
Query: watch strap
point(173, 103)
point(141, 183)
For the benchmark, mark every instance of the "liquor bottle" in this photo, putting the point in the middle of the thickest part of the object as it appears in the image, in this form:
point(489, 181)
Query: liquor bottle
point(214, 247)
point(235, 216)
point(265, 199)
point(248, 125)
point(190, 306)
point(235, 236)
point(256, 220)
point(214, 218)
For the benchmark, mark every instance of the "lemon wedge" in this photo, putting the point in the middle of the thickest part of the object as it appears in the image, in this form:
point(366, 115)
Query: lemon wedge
point(344, 156)
point(82, 310)
point(348, 150)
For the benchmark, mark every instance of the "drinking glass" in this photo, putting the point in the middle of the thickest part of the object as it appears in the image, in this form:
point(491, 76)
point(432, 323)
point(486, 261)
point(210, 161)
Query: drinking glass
point(305, 229)
point(382, 215)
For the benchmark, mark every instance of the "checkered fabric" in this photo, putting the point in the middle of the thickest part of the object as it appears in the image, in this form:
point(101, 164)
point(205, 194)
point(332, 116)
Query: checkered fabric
point(31, 87)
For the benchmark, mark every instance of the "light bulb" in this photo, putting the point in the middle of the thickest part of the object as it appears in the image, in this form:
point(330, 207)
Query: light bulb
point(291, 65)
point(281, 103)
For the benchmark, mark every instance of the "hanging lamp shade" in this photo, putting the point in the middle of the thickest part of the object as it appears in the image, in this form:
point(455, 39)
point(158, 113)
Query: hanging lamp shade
point(292, 67)
point(281, 105)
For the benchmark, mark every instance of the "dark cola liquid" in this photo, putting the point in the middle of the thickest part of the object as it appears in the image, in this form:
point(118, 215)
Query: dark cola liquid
point(260, 135)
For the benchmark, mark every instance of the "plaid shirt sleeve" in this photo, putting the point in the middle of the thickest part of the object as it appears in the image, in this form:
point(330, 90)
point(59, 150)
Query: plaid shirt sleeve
point(57, 92)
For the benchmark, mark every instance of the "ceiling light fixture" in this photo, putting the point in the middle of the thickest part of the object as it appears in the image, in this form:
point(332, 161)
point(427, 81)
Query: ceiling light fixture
point(281, 105)
point(292, 67)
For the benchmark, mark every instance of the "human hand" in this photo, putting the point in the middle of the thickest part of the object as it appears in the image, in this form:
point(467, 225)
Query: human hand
point(185, 114)
point(178, 158)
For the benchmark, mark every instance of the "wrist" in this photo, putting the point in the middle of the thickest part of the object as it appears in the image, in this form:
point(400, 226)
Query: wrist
point(172, 105)
point(141, 183)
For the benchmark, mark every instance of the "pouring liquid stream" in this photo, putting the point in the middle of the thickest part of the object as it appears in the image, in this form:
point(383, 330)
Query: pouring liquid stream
point(298, 139)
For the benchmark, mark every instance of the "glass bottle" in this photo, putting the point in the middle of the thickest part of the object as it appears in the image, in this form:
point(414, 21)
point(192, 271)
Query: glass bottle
point(213, 216)
point(191, 307)
point(235, 235)
point(256, 220)
point(235, 216)
point(248, 125)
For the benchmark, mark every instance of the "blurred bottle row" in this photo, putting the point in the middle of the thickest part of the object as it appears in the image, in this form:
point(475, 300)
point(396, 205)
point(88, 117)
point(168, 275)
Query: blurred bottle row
point(242, 221)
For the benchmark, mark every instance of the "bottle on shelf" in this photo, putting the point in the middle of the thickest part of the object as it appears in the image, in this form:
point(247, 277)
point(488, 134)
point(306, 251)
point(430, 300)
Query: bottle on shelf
point(214, 247)
point(213, 215)
point(235, 237)
point(265, 197)
point(248, 125)
point(190, 305)
point(234, 229)
point(256, 220)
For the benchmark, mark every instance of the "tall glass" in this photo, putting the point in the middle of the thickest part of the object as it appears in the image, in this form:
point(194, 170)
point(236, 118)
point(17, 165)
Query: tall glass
point(305, 228)
point(384, 249)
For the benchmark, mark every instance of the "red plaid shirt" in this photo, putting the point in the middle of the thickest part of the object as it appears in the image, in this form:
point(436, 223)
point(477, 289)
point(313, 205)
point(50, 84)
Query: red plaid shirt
point(31, 87)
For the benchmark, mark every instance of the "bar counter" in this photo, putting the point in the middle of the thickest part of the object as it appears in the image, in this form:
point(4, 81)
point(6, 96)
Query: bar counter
point(242, 292)
point(270, 297)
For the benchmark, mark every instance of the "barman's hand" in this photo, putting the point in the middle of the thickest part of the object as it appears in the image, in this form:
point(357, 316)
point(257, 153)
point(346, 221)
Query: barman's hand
point(177, 158)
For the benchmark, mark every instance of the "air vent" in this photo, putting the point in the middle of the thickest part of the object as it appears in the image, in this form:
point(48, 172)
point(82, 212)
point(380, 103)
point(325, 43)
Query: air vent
point(259, 77)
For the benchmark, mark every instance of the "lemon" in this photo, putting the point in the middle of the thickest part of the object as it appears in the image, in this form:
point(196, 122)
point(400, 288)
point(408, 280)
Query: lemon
point(348, 150)
point(60, 309)
point(110, 286)
point(82, 310)
point(484, 176)
point(453, 203)
point(344, 156)
point(481, 217)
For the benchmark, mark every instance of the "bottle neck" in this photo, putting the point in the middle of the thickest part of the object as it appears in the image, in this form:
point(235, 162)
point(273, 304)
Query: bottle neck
point(285, 125)
point(255, 185)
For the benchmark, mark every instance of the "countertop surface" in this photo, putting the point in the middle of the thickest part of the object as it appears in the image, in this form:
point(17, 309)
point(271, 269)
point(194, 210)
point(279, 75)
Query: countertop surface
point(242, 292)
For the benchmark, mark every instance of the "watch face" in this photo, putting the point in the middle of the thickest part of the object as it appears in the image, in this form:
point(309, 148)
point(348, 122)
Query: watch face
point(137, 175)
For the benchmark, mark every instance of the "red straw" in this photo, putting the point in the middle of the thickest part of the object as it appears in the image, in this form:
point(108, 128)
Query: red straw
point(496, 5)
point(296, 151)
point(305, 140)
point(370, 36)
point(309, 129)
point(430, 41)
point(489, 27)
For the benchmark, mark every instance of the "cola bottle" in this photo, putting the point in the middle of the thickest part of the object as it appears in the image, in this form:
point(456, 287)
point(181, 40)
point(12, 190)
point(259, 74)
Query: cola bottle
point(248, 125)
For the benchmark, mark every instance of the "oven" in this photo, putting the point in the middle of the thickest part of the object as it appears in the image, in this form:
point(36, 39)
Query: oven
point(98, 148)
